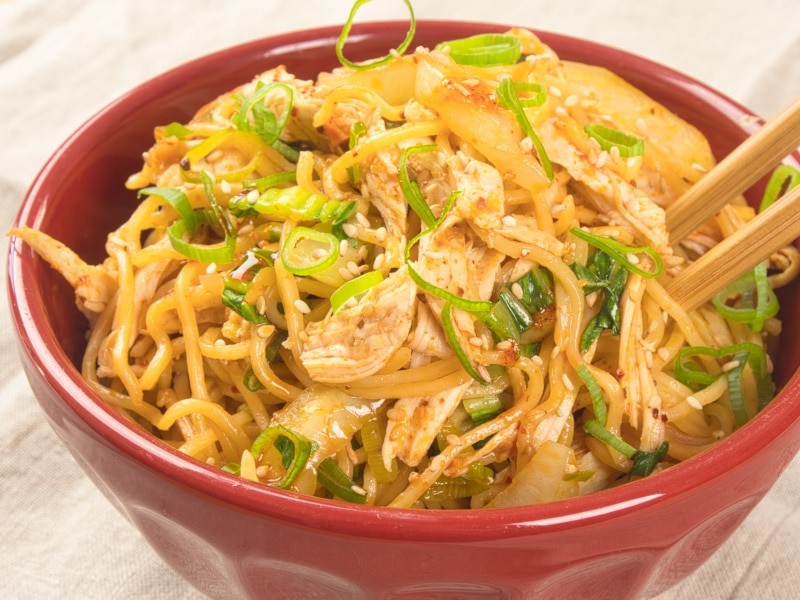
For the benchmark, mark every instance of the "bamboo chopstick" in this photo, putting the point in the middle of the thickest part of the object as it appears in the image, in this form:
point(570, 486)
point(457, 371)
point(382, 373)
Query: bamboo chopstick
point(735, 173)
point(768, 232)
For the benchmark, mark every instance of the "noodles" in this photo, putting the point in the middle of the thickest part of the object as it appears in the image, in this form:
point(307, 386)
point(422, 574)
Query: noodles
point(561, 365)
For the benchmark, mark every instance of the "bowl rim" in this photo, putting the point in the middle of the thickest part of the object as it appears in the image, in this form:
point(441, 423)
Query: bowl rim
point(38, 341)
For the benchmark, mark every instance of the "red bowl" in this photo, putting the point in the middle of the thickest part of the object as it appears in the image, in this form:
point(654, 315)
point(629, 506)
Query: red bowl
point(231, 538)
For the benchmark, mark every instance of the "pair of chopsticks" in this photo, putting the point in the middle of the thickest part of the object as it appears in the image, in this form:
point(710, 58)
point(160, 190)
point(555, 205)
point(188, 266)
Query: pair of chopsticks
point(767, 233)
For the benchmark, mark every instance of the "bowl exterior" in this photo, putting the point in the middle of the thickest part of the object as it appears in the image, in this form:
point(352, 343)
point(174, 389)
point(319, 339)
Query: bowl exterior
point(233, 539)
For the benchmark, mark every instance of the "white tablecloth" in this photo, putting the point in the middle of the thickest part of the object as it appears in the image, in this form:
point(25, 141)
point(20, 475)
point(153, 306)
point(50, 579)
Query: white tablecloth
point(62, 61)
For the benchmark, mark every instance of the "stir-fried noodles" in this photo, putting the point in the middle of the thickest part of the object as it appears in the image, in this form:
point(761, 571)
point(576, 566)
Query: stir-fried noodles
point(437, 282)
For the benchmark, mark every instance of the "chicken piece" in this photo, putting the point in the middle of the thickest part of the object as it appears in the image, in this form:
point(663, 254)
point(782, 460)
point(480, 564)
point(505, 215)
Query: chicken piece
point(428, 337)
point(383, 189)
point(357, 342)
point(409, 437)
point(94, 285)
point(482, 198)
point(345, 114)
point(610, 193)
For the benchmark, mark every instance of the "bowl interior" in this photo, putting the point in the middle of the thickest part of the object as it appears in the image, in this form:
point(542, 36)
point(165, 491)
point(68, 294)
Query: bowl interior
point(79, 196)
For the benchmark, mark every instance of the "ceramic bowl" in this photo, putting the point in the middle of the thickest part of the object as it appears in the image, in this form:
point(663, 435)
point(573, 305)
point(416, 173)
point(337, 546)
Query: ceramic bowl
point(235, 539)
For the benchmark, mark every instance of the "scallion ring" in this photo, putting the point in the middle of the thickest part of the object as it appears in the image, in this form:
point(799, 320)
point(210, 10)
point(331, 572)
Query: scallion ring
point(766, 302)
point(627, 144)
point(507, 97)
point(178, 200)
point(783, 180)
point(221, 253)
point(537, 91)
point(484, 50)
point(411, 188)
point(596, 430)
point(336, 481)
point(357, 131)
point(452, 339)
point(412, 27)
point(300, 252)
point(619, 251)
point(294, 454)
point(596, 393)
point(354, 288)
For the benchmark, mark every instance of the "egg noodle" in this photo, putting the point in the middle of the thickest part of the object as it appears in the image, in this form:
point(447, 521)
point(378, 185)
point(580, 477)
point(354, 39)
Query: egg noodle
point(437, 282)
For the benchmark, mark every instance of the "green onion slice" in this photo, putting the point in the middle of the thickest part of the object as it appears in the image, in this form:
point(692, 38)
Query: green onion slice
point(221, 253)
point(596, 430)
point(411, 188)
point(294, 448)
point(233, 297)
point(354, 288)
point(178, 200)
point(232, 467)
point(336, 481)
point(470, 306)
point(766, 302)
point(452, 339)
point(692, 376)
point(618, 252)
point(538, 91)
point(645, 462)
point(299, 254)
point(292, 203)
point(483, 408)
point(357, 131)
point(269, 181)
point(627, 144)
point(372, 434)
point(783, 180)
point(412, 27)
point(596, 393)
point(177, 130)
point(508, 98)
point(454, 488)
point(484, 50)
point(250, 381)
point(579, 476)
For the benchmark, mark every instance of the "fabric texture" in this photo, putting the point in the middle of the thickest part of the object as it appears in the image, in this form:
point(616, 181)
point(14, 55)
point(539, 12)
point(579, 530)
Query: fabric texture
point(62, 61)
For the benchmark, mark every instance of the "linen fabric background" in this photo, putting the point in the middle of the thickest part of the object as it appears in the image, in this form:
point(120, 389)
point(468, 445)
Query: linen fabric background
point(62, 61)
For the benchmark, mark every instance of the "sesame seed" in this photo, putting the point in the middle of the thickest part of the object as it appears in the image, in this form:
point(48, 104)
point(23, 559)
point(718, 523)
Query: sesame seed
point(453, 439)
point(211, 461)
point(632, 258)
point(556, 350)
point(630, 163)
point(396, 414)
point(571, 100)
point(504, 345)
point(346, 275)
point(211, 268)
point(302, 306)
point(350, 230)
point(718, 434)
point(591, 299)
point(558, 209)
point(555, 91)
point(353, 268)
point(516, 289)
point(602, 159)
point(476, 341)
point(319, 253)
point(225, 186)
point(524, 252)
point(219, 342)
point(648, 359)
point(252, 196)
point(262, 471)
point(484, 372)
point(567, 383)
point(663, 354)
point(641, 125)
point(537, 360)
point(694, 402)
point(509, 221)
point(264, 331)
point(606, 118)
point(343, 247)
point(358, 490)
point(380, 234)
point(526, 144)
point(351, 303)
point(363, 268)
point(614, 152)
point(362, 220)
point(412, 476)
point(729, 366)
point(699, 167)
point(379, 260)
point(561, 111)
